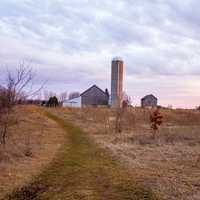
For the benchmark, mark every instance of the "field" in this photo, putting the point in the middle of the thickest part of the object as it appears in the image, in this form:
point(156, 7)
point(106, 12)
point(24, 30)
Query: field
point(31, 145)
point(168, 164)
point(80, 170)
point(48, 157)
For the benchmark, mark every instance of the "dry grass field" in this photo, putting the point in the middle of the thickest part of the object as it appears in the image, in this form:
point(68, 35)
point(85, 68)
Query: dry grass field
point(167, 164)
point(81, 170)
point(31, 145)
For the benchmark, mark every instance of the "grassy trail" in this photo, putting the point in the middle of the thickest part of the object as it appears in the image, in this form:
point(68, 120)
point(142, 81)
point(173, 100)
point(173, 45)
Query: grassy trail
point(82, 171)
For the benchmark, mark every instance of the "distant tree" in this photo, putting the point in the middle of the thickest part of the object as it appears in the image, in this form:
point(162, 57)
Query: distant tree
point(52, 94)
point(198, 108)
point(13, 93)
point(120, 112)
point(39, 96)
point(126, 100)
point(73, 95)
point(125, 104)
point(53, 101)
point(44, 103)
point(48, 94)
point(170, 106)
point(63, 96)
point(118, 119)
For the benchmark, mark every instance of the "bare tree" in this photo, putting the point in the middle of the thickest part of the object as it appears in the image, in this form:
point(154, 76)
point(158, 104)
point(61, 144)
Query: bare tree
point(63, 96)
point(73, 95)
point(127, 101)
point(48, 94)
point(52, 94)
point(4, 112)
point(39, 96)
point(11, 93)
point(120, 112)
point(118, 119)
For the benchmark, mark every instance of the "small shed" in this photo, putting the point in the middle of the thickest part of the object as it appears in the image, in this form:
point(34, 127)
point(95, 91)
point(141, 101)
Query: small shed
point(149, 101)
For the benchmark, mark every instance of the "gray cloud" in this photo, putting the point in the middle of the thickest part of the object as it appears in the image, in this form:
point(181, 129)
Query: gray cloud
point(76, 40)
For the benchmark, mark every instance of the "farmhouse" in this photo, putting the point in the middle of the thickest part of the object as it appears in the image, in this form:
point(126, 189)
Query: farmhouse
point(93, 96)
point(149, 101)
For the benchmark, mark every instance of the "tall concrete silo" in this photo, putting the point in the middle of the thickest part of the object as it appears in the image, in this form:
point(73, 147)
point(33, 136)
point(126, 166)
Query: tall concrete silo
point(117, 82)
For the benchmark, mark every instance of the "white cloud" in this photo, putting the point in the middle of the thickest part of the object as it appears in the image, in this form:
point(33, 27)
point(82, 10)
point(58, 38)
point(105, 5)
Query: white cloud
point(75, 40)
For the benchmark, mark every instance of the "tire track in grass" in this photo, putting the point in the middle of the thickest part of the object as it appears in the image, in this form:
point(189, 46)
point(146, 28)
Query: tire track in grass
point(82, 171)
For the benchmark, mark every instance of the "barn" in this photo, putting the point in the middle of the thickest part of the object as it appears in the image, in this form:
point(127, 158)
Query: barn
point(93, 96)
point(149, 101)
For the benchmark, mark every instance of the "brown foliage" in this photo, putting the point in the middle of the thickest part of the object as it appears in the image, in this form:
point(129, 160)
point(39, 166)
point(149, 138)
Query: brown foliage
point(156, 120)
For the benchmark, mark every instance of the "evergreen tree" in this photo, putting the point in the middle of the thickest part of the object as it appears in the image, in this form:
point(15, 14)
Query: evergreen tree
point(53, 101)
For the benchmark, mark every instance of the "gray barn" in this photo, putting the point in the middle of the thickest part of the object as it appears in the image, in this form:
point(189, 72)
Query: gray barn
point(149, 101)
point(94, 96)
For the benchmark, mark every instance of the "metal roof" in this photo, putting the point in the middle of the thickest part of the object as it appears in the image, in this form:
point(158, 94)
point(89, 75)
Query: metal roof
point(149, 95)
point(91, 88)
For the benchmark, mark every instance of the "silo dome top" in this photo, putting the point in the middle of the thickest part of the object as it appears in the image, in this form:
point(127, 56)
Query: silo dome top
point(117, 59)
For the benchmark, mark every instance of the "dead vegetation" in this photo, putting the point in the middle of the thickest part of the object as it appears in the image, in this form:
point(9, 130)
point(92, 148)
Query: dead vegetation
point(12, 93)
point(31, 144)
point(168, 163)
point(82, 170)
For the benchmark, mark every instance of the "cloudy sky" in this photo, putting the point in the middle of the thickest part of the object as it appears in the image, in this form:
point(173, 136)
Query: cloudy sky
point(71, 44)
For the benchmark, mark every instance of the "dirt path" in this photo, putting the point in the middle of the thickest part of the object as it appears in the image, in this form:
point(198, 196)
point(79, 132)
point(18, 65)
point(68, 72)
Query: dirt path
point(82, 171)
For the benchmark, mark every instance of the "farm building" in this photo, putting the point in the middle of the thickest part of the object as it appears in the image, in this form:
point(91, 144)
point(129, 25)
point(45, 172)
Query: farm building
point(117, 69)
point(74, 103)
point(93, 96)
point(149, 101)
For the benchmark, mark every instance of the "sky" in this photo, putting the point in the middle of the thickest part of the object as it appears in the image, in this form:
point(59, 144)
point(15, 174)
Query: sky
point(70, 44)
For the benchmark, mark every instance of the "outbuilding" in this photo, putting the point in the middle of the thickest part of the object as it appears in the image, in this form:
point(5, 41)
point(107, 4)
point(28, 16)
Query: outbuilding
point(73, 103)
point(149, 101)
point(93, 96)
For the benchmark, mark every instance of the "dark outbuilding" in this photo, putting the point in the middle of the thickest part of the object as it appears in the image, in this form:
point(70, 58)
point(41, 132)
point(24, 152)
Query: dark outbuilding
point(149, 101)
point(94, 96)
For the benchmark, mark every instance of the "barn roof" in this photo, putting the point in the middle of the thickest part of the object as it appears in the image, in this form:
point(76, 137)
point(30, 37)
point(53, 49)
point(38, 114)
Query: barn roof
point(71, 100)
point(94, 86)
point(147, 96)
